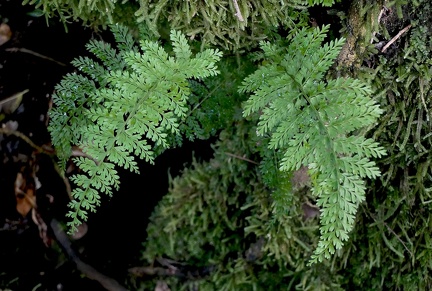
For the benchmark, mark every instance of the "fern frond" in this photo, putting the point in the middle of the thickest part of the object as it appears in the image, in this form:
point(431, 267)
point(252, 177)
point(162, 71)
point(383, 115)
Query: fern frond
point(105, 53)
point(123, 38)
point(69, 117)
point(313, 123)
point(131, 104)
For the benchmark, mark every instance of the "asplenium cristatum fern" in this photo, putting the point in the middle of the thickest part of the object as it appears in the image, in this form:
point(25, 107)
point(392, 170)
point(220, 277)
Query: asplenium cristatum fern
point(312, 122)
point(123, 105)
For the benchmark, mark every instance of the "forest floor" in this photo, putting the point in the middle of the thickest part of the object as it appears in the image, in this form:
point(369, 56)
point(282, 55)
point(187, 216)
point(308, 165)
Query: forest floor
point(34, 55)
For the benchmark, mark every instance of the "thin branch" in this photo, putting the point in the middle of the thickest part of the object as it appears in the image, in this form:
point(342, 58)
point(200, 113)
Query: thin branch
point(399, 239)
point(77, 152)
point(241, 158)
point(395, 38)
point(27, 51)
point(388, 228)
point(171, 268)
point(421, 85)
point(384, 9)
point(210, 94)
point(154, 271)
point(61, 237)
point(26, 139)
point(238, 14)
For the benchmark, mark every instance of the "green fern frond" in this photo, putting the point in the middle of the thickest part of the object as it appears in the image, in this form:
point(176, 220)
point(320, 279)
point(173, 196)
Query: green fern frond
point(129, 104)
point(312, 122)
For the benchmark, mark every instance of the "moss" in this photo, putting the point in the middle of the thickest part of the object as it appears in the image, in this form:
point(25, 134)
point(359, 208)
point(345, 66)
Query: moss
point(390, 244)
point(217, 216)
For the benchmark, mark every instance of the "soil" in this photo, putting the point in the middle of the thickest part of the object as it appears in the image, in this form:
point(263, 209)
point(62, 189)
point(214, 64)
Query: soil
point(35, 59)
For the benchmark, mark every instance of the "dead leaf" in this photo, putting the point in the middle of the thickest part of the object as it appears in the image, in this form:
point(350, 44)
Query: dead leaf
point(10, 104)
point(26, 202)
point(310, 210)
point(300, 178)
point(25, 195)
point(80, 232)
point(5, 33)
point(43, 228)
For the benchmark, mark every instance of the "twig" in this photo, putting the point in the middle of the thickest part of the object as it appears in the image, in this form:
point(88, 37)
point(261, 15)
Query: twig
point(238, 14)
point(24, 50)
point(65, 180)
point(154, 271)
point(421, 84)
point(399, 239)
point(77, 152)
point(61, 237)
point(172, 268)
point(384, 9)
point(241, 158)
point(26, 139)
point(395, 38)
point(388, 228)
point(210, 94)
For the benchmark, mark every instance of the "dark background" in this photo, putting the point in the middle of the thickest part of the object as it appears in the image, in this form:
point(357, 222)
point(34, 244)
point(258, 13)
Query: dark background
point(116, 232)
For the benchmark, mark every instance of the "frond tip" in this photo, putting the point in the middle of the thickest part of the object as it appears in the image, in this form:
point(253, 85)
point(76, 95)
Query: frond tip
point(312, 122)
point(126, 104)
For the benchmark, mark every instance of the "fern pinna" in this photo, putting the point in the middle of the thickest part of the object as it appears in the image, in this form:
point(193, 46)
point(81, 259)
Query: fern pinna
point(312, 122)
point(121, 107)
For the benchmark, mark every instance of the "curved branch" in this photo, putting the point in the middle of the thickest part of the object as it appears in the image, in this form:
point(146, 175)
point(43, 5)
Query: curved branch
point(61, 237)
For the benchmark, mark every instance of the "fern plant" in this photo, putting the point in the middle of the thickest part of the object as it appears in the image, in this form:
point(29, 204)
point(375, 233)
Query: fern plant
point(312, 122)
point(123, 106)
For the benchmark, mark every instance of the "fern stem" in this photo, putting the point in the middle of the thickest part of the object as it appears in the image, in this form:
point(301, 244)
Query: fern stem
point(323, 128)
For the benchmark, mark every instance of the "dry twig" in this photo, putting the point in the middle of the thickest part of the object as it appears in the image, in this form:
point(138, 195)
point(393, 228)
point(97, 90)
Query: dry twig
point(27, 51)
point(395, 38)
point(61, 237)
point(241, 158)
point(399, 239)
point(238, 14)
point(26, 139)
